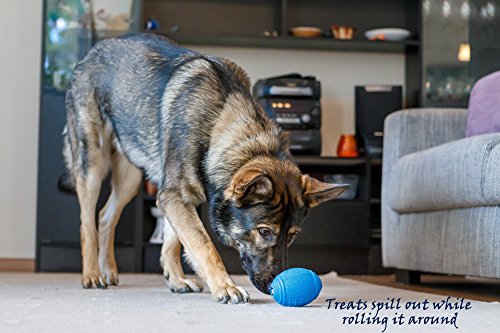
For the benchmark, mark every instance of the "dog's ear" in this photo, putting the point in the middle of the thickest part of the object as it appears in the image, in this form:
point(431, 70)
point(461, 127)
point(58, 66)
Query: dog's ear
point(316, 192)
point(248, 187)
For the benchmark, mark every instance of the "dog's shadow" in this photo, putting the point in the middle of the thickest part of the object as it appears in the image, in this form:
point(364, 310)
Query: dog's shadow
point(261, 301)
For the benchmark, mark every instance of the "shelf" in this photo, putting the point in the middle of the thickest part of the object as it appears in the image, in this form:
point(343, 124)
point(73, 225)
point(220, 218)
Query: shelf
point(322, 43)
point(328, 161)
point(346, 202)
point(149, 197)
point(335, 202)
point(306, 160)
point(154, 245)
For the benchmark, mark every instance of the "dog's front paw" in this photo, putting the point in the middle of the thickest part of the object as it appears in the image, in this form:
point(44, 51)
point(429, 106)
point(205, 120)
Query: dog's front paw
point(95, 280)
point(183, 285)
point(231, 294)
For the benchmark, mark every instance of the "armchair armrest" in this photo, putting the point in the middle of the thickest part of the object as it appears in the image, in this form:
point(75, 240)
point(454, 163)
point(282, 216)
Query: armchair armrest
point(406, 132)
point(412, 130)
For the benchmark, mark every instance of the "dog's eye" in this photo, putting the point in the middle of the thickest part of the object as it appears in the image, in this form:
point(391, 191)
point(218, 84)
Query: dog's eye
point(265, 232)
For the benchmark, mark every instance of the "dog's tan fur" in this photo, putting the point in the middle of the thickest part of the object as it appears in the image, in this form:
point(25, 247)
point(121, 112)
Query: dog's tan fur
point(200, 137)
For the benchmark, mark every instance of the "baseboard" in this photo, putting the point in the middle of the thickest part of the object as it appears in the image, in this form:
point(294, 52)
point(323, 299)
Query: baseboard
point(17, 265)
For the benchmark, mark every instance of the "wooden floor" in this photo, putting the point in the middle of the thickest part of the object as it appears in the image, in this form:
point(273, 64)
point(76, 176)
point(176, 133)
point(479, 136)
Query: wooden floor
point(486, 290)
point(17, 265)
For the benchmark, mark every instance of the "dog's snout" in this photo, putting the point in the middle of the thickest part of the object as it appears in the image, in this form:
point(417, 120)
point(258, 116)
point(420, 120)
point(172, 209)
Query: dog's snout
point(264, 268)
point(263, 282)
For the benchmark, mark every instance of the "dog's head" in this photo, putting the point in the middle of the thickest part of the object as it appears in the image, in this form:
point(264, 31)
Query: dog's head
point(262, 213)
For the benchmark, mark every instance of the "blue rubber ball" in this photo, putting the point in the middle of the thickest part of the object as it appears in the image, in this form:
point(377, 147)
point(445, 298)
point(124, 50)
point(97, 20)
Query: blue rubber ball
point(296, 287)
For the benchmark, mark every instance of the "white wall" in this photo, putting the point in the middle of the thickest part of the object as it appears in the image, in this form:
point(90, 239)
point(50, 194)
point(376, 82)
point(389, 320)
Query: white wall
point(20, 38)
point(338, 72)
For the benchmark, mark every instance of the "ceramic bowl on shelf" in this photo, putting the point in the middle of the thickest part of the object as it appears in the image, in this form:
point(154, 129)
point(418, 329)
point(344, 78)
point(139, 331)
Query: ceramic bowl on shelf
point(305, 32)
point(343, 32)
point(388, 34)
point(150, 188)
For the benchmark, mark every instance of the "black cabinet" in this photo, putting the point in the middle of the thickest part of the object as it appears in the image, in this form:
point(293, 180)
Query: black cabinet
point(58, 214)
point(342, 235)
point(337, 223)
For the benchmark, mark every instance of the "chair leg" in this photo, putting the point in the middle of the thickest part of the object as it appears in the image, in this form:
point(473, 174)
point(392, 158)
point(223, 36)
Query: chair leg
point(407, 277)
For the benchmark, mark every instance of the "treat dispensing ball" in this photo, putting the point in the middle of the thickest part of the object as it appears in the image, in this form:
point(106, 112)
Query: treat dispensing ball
point(296, 287)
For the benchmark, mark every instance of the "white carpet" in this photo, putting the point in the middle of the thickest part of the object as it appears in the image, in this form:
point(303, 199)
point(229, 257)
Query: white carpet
point(57, 303)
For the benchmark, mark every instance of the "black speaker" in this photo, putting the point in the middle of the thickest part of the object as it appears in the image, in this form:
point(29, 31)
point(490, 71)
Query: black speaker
point(373, 104)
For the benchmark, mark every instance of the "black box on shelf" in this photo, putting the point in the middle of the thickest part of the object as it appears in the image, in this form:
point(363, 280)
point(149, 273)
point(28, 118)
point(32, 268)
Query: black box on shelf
point(373, 104)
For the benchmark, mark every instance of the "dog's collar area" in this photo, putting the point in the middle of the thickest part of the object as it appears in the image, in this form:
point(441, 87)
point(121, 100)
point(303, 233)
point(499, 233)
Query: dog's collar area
point(248, 139)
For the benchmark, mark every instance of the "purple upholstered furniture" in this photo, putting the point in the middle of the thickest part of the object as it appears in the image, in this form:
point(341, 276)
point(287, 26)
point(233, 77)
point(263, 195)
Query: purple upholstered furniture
point(484, 106)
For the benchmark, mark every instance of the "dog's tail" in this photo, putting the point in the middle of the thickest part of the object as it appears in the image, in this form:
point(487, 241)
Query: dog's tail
point(66, 181)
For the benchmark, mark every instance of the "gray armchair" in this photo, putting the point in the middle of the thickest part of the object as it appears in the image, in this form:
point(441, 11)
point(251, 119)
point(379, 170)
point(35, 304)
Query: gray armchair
point(440, 196)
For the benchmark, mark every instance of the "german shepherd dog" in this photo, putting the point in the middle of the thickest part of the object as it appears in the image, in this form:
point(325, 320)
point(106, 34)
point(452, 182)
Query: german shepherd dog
point(141, 105)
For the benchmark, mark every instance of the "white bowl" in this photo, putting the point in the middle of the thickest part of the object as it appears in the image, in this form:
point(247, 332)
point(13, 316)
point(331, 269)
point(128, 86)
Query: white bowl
point(388, 34)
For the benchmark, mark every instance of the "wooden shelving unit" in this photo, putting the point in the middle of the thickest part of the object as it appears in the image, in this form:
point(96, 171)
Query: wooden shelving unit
point(323, 43)
point(343, 235)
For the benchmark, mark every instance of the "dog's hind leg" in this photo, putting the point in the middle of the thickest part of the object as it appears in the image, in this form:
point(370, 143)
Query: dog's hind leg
point(87, 188)
point(125, 181)
point(86, 163)
point(171, 263)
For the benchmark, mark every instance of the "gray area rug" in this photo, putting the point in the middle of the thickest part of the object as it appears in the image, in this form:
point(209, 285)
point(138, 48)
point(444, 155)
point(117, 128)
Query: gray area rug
point(57, 303)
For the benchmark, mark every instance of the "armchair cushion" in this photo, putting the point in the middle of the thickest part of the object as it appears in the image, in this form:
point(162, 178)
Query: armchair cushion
point(461, 174)
point(484, 106)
